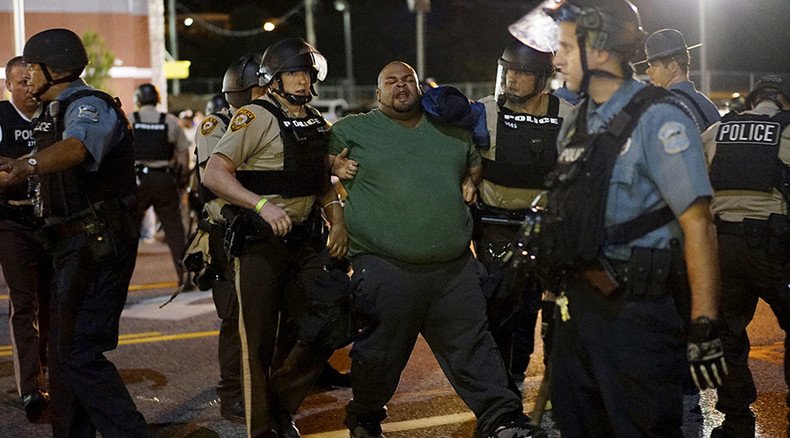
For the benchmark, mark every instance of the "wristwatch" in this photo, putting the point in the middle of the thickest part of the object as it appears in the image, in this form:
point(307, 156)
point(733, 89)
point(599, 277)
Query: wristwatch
point(33, 163)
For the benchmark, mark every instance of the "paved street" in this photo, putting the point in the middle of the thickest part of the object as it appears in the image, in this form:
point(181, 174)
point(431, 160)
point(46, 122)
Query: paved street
point(167, 358)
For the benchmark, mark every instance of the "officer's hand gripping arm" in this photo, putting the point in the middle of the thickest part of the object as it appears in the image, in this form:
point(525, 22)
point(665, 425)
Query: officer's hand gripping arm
point(60, 156)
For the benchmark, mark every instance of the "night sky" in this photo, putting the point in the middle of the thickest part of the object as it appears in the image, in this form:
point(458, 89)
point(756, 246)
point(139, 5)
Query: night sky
point(464, 38)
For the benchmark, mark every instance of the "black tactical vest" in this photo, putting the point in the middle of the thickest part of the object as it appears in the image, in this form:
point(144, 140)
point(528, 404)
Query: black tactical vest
point(16, 140)
point(69, 192)
point(747, 152)
point(305, 146)
point(150, 139)
point(573, 232)
point(526, 148)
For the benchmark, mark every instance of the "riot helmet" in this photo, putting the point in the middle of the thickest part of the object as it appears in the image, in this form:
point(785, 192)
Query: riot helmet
point(56, 51)
point(770, 88)
point(291, 54)
point(146, 94)
point(216, 103)
point(239, 79)
point(610, 25)
point(521, 57)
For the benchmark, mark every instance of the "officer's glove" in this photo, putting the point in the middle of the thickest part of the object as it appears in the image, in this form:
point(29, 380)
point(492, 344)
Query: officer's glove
point(705, 354)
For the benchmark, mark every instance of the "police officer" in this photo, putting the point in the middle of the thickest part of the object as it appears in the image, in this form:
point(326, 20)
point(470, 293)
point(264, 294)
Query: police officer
point(630, 181)
point(85, 168)
point(523, 121)
point(27, 267)
point(271, 164)
point(669, 59)
point(160, 157)
point(749, 158)
point(237, 85)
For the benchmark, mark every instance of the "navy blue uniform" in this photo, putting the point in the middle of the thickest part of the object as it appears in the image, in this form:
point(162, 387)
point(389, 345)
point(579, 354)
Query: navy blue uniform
point(702, 109)
point(27, 267)
point(92, 280)
point(618, 361)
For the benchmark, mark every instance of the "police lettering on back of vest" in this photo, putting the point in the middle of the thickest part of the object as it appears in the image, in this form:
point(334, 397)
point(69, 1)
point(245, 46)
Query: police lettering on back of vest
point(150, 139)
point(751, 132)
point(754, 136)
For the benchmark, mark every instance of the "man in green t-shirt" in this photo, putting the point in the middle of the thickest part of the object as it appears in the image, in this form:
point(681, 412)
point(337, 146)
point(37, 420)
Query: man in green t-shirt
point(409, 233)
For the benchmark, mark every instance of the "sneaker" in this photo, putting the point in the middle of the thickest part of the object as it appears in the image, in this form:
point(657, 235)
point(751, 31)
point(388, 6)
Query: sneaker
point(35, 403)
point(233, 411)
point(520, 428)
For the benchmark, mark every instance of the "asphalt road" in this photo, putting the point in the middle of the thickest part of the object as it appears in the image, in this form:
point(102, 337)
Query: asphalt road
point(167, 357)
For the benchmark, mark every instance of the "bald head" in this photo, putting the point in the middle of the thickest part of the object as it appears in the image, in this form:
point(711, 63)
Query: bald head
point(393, 69)
point(398, 92)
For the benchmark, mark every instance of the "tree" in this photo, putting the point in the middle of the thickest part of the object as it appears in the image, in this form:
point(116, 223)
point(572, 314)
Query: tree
point(100, 60)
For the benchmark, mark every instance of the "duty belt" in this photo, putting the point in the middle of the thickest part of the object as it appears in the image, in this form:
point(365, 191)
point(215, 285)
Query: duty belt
point(646, 274)
point(500, 216)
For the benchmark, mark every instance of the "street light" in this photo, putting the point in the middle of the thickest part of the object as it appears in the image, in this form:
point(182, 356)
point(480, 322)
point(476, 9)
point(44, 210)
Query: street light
point(344, 7)
point(270, 25)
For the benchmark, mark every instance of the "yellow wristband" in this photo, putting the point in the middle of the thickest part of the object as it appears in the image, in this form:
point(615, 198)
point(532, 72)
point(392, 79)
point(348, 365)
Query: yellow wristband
point(260, 204)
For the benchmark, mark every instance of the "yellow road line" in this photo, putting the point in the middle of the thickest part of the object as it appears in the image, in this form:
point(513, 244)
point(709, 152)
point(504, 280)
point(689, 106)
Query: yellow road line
point(132, 287)
point(400, 426)
point(175, 337)
point(149, 286)
point(141, 338)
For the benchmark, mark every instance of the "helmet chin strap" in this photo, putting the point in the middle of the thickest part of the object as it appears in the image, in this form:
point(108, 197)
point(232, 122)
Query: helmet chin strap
point(588, 73)
point(50, 82)
point(294, 99)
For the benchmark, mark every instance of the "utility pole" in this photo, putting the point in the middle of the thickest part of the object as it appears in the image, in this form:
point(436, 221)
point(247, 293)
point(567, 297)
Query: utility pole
point(171, 30)
point(156, 39)
point(703, 57)
point(309, 22)
point(420, 8)
point(19, 26)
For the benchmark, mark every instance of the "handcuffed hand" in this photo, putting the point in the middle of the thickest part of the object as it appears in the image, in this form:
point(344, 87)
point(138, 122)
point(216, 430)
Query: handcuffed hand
point(705, 354)
point(344, 167)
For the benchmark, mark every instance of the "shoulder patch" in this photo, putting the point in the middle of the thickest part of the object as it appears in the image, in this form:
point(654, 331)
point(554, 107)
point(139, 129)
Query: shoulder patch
point(673, 137)
point(208, 125)
point(88, 112)
point(242, 118)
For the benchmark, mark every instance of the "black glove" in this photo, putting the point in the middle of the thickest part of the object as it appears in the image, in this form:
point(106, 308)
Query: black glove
point(705, 354)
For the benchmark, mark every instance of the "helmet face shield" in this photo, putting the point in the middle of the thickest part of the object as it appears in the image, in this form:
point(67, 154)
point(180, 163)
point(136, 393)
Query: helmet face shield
point(320, 65)
point(538, 28)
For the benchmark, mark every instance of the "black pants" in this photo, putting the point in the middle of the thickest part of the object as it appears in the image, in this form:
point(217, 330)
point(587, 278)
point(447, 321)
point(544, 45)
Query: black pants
point(617, 365)
point(444, 303)
point(517, 344)
point(272, 276)
point(87, 391)
point(748, 273)
point(28, 271)
point(224, 294)
point(158, 188)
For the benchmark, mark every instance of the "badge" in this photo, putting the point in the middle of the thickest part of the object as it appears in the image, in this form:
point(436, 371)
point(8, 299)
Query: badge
point(208, 125)
point(88, 112)
point(673, 136)
point(242, 118)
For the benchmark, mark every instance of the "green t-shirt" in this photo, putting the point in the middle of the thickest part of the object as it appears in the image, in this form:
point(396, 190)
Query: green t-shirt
point(405, 201)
